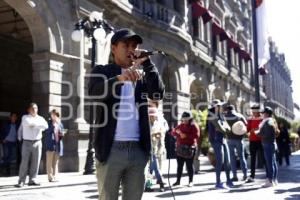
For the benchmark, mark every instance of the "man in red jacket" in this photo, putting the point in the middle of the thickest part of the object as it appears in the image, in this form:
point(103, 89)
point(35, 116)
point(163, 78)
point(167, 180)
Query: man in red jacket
point(255, 141)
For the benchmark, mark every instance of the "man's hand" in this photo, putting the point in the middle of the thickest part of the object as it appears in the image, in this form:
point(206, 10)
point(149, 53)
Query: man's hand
point(138, 61)
point(130, 74)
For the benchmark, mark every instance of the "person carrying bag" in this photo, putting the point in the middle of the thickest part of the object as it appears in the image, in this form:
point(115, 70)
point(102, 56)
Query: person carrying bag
point(187, 134)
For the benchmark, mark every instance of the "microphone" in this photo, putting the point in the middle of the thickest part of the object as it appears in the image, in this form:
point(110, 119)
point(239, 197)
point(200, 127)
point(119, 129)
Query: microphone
point(149, 53)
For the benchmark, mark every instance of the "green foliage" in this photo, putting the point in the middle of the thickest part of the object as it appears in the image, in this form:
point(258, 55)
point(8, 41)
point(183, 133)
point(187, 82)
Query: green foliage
point(286, 123)
point(294, 136)
point(201, 117)
point(295, 126)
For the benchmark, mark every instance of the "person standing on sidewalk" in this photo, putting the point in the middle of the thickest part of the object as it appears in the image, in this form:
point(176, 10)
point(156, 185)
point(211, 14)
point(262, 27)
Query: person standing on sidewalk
point(122, 140)
point(217, 131)
point(54, 145)
point(255, 145)
point(268, 131)
point(158, 145)
point(187, 134)
point(31, 127)
point(283, 142)
point(236, 142)
point(9, 138)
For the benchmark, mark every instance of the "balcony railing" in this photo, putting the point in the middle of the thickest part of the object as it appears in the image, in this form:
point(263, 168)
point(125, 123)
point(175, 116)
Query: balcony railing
point(158, 12)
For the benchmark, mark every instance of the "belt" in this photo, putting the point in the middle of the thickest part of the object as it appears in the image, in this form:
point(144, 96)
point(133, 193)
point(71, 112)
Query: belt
point(126, 144)
point(32, 140)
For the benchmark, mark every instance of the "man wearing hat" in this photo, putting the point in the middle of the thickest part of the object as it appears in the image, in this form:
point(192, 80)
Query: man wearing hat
point(122, 139)
point(235, 140)
point(267, 130)
point(255, 145)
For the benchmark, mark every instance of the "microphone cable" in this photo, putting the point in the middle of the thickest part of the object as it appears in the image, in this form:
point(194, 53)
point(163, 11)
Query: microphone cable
point(170, 120)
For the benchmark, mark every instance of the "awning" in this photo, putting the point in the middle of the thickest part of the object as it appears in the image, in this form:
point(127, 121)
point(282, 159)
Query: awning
point(218, 30)
point(244, 54)
point(200, 11)
point(263, 70)
point(232, 44)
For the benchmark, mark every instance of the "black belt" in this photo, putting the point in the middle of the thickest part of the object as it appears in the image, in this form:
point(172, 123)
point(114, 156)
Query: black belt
point(32, 140)
point(126, 144)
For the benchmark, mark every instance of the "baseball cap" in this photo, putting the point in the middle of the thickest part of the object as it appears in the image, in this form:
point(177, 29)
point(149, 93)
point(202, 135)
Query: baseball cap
point(186, 115)
point(268, 110)
point(125, 33)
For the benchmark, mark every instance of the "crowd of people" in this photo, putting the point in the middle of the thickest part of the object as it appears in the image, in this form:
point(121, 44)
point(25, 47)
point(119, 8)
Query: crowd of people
point(22, 142)
point(132, 141)
point(227, 130)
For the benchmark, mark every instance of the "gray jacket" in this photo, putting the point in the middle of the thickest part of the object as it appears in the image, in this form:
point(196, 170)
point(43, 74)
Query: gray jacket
point(267, 131)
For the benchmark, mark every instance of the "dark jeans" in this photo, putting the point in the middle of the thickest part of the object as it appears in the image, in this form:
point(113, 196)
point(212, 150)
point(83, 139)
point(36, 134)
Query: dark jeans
point(255, 149)
point(222, 159)
point(270, 157)
point(284, 151)
point(189, 166)
point(9, 149)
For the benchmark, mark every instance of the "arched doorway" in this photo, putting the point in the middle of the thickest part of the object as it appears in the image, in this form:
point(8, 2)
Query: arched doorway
point(15, 62)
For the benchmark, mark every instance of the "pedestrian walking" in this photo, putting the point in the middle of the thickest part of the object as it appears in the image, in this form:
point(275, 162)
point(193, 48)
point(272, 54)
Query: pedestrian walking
point(31, 128)
point(268, 130)
point(122, 140)
point(54, 145)
point(187, 134)
point(284, 145)
point(237, 123)
point(217, 130)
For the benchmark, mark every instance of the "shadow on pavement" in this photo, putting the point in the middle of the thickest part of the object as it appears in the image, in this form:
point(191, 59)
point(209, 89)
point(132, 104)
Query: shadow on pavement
point(41, 187)
point(93, 197)
point(90, 191)
point(293, 197)
point(281, 191)
point(183, 193)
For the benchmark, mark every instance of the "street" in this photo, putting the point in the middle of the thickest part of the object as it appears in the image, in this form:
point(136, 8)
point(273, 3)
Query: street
point(73, 186)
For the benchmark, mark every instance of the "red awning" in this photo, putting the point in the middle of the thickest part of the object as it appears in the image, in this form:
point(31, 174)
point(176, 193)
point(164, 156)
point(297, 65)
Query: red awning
point(197, 9)
point(232, 44)
point(263, 70)
point(244, 55)
point(218, 30)
point(207, 16)
point(200, 11)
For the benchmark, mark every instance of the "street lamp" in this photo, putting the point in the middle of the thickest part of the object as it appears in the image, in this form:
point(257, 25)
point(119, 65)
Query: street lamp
point(96, 28)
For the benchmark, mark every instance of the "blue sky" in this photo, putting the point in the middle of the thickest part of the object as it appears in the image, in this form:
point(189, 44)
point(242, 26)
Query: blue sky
point(284, 17)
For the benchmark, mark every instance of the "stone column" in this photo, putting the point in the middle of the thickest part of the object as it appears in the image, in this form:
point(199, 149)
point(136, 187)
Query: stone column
point(211, 88)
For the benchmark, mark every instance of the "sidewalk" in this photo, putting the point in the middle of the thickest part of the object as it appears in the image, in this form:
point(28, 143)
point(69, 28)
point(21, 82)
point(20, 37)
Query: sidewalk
point(75, 186)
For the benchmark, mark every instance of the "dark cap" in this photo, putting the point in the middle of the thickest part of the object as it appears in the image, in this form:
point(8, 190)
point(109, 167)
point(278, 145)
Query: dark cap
point(230, 107)
point(123, 34)
point(186, 115)
point(268, 110)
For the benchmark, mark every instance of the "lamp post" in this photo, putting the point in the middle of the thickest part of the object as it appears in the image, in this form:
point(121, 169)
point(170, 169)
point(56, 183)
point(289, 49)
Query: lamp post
point(96, 28)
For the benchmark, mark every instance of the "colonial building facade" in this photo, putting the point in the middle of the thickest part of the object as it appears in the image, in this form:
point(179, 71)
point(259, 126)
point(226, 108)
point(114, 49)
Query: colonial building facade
point(278, 84)
point(208, 54)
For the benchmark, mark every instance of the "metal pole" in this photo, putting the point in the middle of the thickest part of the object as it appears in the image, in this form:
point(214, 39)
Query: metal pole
point(89, 167)
point(256, 71)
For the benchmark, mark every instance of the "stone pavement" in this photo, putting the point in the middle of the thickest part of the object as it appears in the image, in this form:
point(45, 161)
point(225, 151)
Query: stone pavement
point(73, 186)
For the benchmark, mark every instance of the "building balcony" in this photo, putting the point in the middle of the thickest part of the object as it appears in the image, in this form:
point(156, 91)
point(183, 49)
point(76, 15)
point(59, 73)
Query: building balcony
point(157, 13)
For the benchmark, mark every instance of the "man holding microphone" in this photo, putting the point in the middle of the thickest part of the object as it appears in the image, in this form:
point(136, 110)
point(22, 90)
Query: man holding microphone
point(122, 140)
